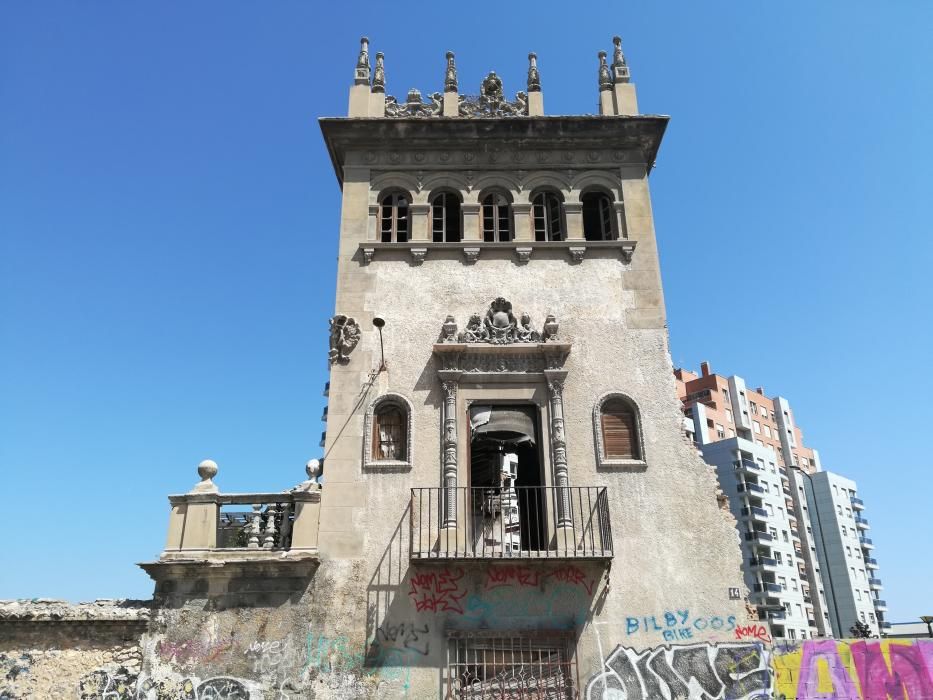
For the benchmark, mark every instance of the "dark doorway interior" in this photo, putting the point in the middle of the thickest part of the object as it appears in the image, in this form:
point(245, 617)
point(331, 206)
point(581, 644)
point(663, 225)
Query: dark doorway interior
point(499, 430)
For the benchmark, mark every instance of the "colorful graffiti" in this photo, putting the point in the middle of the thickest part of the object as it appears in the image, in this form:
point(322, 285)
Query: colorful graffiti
point(536, 577)
point(864, 670)
point(753, 633)
point(734, 671)
point(817, 669)
point(337, 656)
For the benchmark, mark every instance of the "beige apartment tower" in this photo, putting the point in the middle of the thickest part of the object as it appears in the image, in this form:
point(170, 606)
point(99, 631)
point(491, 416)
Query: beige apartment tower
point(508, 496)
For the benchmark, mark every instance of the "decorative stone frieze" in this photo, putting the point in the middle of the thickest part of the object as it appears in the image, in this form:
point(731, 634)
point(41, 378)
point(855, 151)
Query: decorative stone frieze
point(415, 106)
point(491, 101)
point(499, 326)
point(344, 335)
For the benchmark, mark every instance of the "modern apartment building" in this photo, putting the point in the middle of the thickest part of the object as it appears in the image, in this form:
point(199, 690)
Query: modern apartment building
point(795, 520)
point(853, 589)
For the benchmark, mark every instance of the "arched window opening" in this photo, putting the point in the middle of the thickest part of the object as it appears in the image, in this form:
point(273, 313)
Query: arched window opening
point(390, 441)
point(619, 425)
point(546, 209)
point(393, 218)
point(445, 218)
point(497, 219)
point(597, 217)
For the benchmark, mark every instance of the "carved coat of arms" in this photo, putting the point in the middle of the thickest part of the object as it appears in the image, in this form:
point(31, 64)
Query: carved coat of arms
point(344, 335)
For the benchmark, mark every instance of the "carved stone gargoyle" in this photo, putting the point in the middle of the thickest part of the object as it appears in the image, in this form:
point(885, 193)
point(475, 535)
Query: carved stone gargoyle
point(344, 335)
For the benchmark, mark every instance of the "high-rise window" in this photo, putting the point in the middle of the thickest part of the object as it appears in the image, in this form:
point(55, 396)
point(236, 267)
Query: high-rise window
point(393, 218)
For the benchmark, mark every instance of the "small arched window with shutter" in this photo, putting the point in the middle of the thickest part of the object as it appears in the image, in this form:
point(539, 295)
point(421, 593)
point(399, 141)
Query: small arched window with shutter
point(618, 431)
point(387, 441)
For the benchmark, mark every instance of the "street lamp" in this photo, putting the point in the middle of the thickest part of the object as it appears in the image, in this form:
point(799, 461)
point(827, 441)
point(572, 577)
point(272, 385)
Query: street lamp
point(819, 524)
point(928, 619)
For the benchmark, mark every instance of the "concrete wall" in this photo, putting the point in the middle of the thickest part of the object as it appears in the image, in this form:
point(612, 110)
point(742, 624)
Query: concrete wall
point(257, 652)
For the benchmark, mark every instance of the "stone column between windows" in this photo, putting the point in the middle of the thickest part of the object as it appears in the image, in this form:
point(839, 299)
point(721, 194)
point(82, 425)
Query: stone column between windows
point(574, 215)
point(524, 224)
point(555, 384)
point(618, 211)
point(420, 222)
point(373, 232)
point(471, 222)
point(449, 385)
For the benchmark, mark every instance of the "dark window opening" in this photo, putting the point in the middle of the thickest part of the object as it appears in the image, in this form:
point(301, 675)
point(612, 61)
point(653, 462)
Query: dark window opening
point(445, 218)
point(389, 434)
point(620, 435)
point(597, 217)
point(546, 210)
point(393, 218)
point(508, 503)
point(497, 224)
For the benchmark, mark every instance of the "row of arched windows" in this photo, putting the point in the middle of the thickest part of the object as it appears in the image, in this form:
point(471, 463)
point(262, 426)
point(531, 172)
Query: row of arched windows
point(616, 420)
point(498, 221)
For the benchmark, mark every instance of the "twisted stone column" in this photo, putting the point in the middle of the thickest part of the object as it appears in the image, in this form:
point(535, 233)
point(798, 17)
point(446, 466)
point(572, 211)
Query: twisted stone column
point(450, 453)
point(559, 446)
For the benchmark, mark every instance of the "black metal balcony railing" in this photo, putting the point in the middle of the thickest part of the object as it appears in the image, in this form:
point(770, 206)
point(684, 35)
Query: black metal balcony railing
point(755, 512)
point(857, 502)
point(861, 522)
point(879, 603)
point(749, 464)
point(767, 588)
point(874, 582)
point(750, 487)
point(866, 541)
point(762, 561)
point(527, 522)
point(870, 561)
point(759, 535)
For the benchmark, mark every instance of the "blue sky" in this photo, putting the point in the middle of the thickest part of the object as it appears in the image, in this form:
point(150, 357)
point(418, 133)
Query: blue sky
point(168, 224)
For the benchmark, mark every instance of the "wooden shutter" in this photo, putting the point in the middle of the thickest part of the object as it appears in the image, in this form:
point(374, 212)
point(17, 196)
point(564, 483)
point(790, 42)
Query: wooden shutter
point(620, 440)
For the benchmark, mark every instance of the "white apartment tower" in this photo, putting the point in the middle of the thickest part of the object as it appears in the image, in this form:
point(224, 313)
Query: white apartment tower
point(806, 558)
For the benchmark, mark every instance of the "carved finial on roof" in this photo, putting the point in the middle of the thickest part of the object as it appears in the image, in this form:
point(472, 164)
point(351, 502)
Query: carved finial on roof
point(534, 79)
point(379, 74)
point(605, 77)
point(207, 470)
point(450, 77)
point(362, 63)
point(619, 66)
point(492, 86)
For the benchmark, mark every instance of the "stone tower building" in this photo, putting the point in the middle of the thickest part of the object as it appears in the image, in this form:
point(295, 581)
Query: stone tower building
point(509, 497)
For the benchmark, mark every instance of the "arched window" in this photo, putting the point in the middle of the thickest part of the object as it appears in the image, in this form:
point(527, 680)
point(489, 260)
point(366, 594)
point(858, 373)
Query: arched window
point(388, 432)
point(618, 431)
point(597, 217)
point(549, 222)
point(393, 218)
point(445, 218)
point(497, 219)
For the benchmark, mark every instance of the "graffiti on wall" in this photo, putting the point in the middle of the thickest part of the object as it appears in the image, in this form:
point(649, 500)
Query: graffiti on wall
point(337, 656)
point(817, 669)
point(863, 670)
point(679, 625)
point(437, 591)
point(734, 671)
point(526, 576)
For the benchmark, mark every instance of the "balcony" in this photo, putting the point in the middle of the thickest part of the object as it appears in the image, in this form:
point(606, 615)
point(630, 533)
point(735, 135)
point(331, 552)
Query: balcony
point(755, 513)
point(762, 563)
point(875, 584)
point(795, 533)
point(857, 503)
point(759, 536)
point(885, 625)
point(871, 563)
point(749, 487)
point(866, 542)
point(807, 599)
point(747, 466)
point(767, 588)
point(525, 522)
point(276, 531)
point(880, 605)
point(861, 523)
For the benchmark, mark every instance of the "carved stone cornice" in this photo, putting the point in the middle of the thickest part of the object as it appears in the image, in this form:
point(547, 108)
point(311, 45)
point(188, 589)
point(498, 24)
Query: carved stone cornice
point(476, 361)
point(470, 251)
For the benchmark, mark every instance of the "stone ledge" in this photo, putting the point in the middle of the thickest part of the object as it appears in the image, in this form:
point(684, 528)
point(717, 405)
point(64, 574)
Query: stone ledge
point(116, 611)
point(232, 562)
point(470, 251)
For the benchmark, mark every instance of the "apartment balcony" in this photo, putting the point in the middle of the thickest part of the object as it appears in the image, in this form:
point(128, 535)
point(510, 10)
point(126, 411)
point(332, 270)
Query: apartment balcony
point(866, 542)
point(525, 522)
point(861, 523)
point(747, 466)
point(875, 584)
point(749, 487)
point(807, 599)
point(767, 588)
point(755, 513)
point(763, 563)
point(795, 533)
point(880, 605)
point(871, 563)
point(759, 536)
point(787, 491)
point(857, 503)
point(783, 471)
point(885, 625)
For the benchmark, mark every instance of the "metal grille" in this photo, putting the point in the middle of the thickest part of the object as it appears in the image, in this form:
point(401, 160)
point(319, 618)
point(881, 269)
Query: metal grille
point(521, 522)
point(512, 667)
